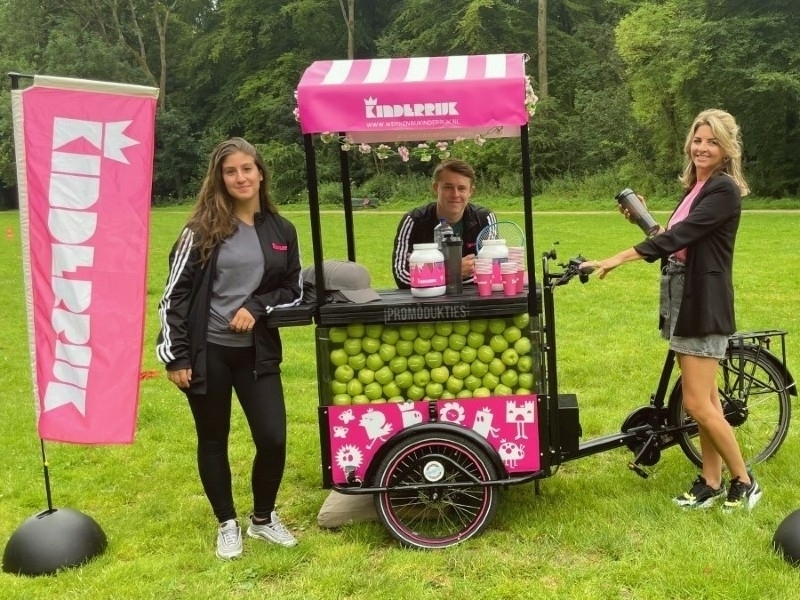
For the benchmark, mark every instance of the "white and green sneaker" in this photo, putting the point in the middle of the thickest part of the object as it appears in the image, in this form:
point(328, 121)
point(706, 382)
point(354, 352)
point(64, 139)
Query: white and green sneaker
point(700, 494)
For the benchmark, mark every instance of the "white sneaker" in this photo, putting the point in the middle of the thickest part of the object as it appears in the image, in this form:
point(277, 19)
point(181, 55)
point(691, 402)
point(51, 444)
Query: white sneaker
point(273, 531)
point(229, 540)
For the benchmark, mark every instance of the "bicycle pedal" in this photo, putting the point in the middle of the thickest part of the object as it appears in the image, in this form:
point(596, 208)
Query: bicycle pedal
point(638, 470)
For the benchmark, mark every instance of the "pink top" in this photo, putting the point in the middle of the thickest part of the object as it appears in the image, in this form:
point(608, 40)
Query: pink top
point(404, 99)
point(681, 213)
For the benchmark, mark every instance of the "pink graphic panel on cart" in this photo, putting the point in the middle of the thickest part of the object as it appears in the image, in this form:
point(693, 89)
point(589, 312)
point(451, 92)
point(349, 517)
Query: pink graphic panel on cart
point(356, 432)
point(509, 423)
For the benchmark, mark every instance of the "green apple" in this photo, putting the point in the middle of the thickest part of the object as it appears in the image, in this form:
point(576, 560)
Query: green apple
point(408, 332)
point(343, 373)
point(444, 328)
point(525, 380)
point(357, 361)
point(450, 357)
point(461, 327)
point(512, 334)
point(422, 345)
point(338, 387)
point(338, 357)
point(355, 330)
point(404, 380)
point(490, 381)
point(469, 354)
point(497, 367)
point(509, 378)
point(378, 401)
point(421, 378)
point(498, 343)
point(434, 390)
point(370, 345)
point(354, 387)
point(426, 330)
point(525, 364)
point(523, 392)
point(384, 375)
point(474, 339)
point(454, 384)
point(341, 399)
point(472, 383)
point(485, 354)
point(415, 392)
point(374, 362)
point(387, 352)
point(352, 346)
point(460, 370)
point(433, 359)
point(440, 374)
point(464, 394)
point(373, 390)
point(395, 399)
point(439, 342)
point(479, 325)
point(415, 363)
point(390, 335)
point(502, 390)
point(522, 346)
point(405, 347)
point(366, 376)
point(391, 389)
point(373, 330)
point(481, 392)
point(360, 399)
point(457, 341)
point(521, 320)
point(497, 326)
point(479, 368)
point(510, 357)
point(398, 364)
point(337, 335)
point(447, 395)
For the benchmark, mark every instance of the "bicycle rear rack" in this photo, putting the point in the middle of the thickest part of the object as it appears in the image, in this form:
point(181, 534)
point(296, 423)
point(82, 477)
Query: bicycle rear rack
point(762, 341)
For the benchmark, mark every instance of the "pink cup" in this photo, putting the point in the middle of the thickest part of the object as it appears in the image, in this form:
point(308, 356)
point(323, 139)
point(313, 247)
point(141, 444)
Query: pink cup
point(521, 281)
point(510, 284)
point(484, 287)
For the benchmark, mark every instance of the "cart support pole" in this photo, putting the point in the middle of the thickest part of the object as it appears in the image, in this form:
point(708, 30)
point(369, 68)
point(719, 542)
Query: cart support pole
point(313, 205)
point(347, 199)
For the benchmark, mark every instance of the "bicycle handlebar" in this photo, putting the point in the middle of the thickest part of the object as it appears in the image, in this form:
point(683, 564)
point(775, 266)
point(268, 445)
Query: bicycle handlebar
point(571, 269)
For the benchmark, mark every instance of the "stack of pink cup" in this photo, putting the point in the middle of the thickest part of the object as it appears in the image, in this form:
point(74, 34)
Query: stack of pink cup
point(510, 272)
point(483, 276)
point(516, 254)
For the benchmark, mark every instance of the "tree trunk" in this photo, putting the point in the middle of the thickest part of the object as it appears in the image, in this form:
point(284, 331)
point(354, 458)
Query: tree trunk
point(542, 48)
point(349, 20)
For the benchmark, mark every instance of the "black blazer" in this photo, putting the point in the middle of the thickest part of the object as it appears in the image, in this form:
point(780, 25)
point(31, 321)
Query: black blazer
point(708, 233)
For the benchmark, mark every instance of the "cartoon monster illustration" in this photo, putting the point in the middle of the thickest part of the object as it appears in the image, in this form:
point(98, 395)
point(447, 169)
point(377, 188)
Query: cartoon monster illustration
point(511, 453)
point(375, 426)
point(483, 423)
point(349, 456)
point(520, 415)
point(410, 416)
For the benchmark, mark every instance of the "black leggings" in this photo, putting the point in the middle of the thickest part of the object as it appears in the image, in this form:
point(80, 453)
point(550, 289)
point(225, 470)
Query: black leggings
point(262, 401)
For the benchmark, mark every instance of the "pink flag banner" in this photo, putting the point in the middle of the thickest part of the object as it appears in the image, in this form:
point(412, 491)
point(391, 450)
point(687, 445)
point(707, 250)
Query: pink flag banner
point(398, 99)
point(84, 154)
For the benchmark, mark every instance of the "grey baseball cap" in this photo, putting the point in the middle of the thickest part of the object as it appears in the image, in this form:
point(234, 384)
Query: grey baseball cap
point(345, 281)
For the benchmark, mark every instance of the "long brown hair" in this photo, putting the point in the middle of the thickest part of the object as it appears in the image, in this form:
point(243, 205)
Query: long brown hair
point(212, 219)
point(726, 131)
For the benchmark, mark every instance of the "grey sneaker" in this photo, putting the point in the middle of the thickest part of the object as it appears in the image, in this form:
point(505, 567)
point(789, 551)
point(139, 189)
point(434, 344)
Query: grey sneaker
point(229, 540)
point(700, 495)
point(741, 495)
point(274, 531)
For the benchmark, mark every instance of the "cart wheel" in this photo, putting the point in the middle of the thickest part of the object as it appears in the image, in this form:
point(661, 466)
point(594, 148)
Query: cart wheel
point(440, 516)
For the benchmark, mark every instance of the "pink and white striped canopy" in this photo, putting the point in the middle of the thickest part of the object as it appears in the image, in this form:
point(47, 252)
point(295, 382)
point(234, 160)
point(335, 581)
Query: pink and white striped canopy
point(407, 99)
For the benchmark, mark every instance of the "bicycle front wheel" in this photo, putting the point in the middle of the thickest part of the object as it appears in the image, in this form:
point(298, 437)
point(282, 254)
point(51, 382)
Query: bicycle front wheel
point(755, 402)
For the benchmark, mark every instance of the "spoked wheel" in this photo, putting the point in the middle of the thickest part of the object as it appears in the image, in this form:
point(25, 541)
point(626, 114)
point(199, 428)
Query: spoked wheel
point(442, 515)
point(755, 402)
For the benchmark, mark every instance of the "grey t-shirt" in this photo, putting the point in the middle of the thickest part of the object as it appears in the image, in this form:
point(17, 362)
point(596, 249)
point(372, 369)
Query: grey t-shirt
point(240, 266)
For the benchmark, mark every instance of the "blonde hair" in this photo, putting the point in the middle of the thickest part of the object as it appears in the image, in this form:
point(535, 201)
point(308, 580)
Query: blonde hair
point(726, 131)
point(212, 219)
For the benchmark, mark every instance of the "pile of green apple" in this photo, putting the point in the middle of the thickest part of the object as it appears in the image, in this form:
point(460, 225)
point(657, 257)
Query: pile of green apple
point(376, 363)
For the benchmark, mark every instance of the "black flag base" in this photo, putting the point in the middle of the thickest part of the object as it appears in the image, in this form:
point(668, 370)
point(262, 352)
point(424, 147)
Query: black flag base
point(51, 540)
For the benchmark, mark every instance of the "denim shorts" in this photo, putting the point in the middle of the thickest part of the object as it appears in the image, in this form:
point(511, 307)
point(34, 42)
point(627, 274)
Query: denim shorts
point(712, 345)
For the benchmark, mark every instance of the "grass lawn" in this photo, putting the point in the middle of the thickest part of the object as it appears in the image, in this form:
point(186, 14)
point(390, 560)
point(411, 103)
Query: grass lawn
point(596, 531)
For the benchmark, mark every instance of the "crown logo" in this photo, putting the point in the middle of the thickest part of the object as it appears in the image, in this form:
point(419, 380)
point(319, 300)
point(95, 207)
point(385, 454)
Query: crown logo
point(370, 101)
point(405, 406)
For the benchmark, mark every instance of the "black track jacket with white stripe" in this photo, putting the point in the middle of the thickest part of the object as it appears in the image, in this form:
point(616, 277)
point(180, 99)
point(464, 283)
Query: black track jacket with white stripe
point(183, 310)
point(416, 227)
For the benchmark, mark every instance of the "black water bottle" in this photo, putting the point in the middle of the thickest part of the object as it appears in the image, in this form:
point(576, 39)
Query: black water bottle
point(451, 248)
point(628, 200)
